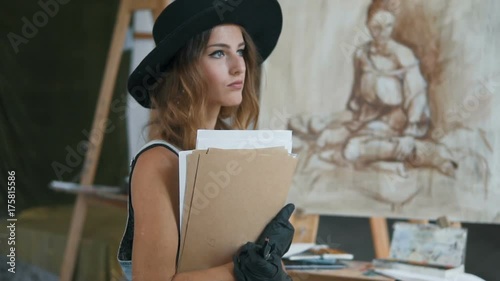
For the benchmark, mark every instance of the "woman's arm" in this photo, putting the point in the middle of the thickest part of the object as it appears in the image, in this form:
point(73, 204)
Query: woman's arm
point(155, 199)
point(220, 273)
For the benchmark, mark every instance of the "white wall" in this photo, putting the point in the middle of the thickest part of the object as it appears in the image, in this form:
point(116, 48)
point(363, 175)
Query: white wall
point(137, 116)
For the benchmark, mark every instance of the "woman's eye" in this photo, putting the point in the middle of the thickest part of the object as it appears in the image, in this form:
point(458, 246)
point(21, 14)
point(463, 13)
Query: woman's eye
point(217, 54)
point(241, 52)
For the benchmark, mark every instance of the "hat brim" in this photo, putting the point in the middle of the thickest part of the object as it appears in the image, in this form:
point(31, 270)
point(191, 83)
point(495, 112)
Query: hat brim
point(262, 19)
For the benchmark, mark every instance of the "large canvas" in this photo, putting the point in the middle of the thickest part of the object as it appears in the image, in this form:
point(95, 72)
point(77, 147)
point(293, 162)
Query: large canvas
point(393, 105)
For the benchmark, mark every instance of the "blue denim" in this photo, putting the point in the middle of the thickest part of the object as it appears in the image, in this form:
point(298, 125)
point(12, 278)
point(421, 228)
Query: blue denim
point(127, 269)
point(125, 250)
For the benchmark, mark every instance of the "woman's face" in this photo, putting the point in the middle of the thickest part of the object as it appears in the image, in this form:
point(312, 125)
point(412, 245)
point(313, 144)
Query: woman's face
point(381, 25)
point(223, 66)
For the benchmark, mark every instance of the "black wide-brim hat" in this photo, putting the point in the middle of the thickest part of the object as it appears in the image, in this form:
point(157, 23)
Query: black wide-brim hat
point(183, 19)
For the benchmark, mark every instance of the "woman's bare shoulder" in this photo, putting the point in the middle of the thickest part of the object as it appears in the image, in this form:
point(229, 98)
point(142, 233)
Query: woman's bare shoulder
point(158, 159)
point(155, 172)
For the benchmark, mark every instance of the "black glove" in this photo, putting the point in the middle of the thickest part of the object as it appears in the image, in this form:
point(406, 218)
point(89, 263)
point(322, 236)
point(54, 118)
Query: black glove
point(279, 231)
point(251, 264)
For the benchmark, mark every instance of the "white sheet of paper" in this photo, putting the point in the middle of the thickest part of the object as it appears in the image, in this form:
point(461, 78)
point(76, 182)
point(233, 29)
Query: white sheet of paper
point(182, 179)
point(242, 139)
point(297, 248)
point(231, 139)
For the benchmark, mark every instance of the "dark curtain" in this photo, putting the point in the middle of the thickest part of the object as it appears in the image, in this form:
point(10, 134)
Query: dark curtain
point(51, 69)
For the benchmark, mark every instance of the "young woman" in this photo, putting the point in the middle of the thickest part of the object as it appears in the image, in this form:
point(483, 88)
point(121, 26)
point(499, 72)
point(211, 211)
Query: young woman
point(203, 74)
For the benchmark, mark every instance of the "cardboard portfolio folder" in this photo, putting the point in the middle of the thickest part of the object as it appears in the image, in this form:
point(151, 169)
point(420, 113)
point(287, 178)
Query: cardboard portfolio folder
point(230, 196)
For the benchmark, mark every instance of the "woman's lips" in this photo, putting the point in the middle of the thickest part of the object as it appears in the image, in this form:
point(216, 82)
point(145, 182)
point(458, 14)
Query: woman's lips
point(237, 85)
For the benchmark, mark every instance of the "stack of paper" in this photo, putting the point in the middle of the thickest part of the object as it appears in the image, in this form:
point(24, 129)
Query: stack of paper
point(320, 252)
point(410, 276)
point(311, 256)
point(421, 270)
point(232, 185)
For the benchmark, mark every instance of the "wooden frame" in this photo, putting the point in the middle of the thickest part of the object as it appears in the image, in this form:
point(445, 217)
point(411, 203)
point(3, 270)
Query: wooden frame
point(306, 230)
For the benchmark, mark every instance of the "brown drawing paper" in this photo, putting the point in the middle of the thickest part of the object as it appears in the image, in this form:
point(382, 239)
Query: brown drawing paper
point(235, 193)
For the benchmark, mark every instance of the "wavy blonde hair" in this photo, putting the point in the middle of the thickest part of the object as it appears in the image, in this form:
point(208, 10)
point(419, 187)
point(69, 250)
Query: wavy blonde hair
point(180, 102)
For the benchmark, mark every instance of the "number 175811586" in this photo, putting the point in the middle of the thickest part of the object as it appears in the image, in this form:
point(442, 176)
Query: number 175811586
point(11, 194)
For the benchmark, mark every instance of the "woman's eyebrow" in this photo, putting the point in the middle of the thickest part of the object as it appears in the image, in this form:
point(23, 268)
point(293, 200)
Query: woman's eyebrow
point(222, 45)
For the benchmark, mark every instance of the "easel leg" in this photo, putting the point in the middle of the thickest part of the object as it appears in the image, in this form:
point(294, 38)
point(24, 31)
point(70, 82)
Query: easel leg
point(380, 235)
point(97, 136)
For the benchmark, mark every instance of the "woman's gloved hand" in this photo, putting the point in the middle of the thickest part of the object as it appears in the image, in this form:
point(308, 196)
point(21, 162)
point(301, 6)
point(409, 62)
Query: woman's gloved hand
point(259, 263)
point(279, 231)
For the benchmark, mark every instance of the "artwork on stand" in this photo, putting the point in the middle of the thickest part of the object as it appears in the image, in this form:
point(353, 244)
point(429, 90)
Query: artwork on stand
point(392, 106)
point(429, 244)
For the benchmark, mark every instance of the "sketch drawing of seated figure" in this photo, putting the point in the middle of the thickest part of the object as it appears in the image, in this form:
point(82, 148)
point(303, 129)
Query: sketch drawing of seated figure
point(389, 105)
point(387, 123)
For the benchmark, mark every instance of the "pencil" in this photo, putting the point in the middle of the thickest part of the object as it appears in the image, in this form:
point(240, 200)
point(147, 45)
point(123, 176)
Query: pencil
point(266, 250)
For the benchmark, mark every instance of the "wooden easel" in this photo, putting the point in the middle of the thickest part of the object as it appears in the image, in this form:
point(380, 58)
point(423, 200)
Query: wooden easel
point(306, 230)
point(380, 237)
point(125, 10)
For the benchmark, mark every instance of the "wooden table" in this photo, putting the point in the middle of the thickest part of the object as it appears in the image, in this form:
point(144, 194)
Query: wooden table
point(356, 271)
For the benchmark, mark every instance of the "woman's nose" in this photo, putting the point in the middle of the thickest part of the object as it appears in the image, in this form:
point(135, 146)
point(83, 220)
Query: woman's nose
point(237, 65)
